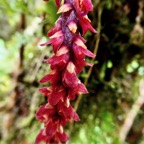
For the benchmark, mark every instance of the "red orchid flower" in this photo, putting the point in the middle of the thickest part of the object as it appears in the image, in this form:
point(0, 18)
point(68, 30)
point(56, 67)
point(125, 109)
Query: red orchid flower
point(68, 60)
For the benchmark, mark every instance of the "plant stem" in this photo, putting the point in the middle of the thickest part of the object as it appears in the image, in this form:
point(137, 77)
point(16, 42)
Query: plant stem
point(132, 114)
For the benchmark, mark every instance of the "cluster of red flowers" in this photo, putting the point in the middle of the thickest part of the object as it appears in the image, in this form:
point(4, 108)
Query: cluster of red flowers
point(68, 61)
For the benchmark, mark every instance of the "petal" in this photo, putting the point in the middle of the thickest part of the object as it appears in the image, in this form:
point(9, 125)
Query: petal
point(56, 43)
point(79, 42)
point(54, 98)
point(86, 52)
point(77, 6)
point(58, 62)
point(72, 26)
point(51, 129)
point(83, 6)
point(64, 8)
point(79, 65)
point(57, 34)
point(78, 53)
point(81, 89)
point(62, 137)
point(85, 24)
point(44, 112)
point(70, 79)
point(58, 3)
point(71, 94)
point(53, 77)
point(62, 120)
point(45, 91)
point(56, 28)
point(71, 114)
point(45, 78)
point(58, 94)
point(63, 50)
point(81, 38)
point(46, 43)
point(70, 67)
point(87, 5)
point(40, 113)
point(41, 137)
point(68, 112)
point(76, 117)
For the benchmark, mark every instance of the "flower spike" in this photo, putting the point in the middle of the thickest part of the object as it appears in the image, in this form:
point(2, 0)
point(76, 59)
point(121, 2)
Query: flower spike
point(67, 62)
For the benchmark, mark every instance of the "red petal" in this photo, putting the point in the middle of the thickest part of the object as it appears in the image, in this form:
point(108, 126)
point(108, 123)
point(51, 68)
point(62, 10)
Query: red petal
point(81, 89)
point(41, 137)
point(53, 77)
point(68, 112)
point(45, 78)
point(87, 5)
point(87, 52)
point(58, 3)
point(70, 79)
point(78, 53)
point(40, 113)
point(58, 62)
point(80, 49)
point(57, 59)
point(46, 43)
point(54, 98)
point(81, 38)
point(45, 91)
point(83, 7)
point(69, 76)
point(63, 121)
point(51, 129)
point(56, 28)
point(76, 117)
point(56, 43)
point(71, 94)
point(85, 24)
point(79, 65)
point(44, 112)
point(62, 137)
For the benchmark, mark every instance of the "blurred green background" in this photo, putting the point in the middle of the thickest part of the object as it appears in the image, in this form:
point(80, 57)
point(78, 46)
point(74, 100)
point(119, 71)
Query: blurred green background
point(113, 83)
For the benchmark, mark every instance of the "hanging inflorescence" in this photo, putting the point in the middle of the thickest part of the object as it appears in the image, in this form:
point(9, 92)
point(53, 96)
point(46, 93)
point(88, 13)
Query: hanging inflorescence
point(68, 60)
